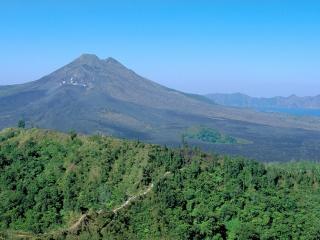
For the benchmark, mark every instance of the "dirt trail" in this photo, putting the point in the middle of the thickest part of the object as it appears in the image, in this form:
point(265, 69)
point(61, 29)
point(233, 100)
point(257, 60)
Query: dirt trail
point(132, 199)
point(77, 225)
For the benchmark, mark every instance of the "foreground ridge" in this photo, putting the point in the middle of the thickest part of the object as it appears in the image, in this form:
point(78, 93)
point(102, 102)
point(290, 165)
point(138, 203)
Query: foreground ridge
point(69, 186)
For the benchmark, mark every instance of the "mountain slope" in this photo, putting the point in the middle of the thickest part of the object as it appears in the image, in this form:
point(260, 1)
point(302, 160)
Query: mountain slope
point(242, 100)
point(92, 95)
point(92, 90)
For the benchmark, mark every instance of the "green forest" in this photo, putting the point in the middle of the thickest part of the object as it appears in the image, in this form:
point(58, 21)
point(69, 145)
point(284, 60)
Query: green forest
point(69, 186)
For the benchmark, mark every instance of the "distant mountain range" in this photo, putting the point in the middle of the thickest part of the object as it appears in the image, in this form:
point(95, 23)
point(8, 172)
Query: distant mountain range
point(92, 95)
point(245, 101)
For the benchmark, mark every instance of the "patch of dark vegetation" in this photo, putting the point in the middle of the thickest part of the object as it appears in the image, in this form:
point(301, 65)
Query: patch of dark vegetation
point(211, 135)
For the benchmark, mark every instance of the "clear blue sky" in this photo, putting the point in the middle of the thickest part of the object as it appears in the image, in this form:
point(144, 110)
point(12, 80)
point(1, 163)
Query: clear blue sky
point(262, 48)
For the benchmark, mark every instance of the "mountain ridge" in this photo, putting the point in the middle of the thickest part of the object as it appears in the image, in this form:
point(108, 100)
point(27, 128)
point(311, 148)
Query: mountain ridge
point(246, 101)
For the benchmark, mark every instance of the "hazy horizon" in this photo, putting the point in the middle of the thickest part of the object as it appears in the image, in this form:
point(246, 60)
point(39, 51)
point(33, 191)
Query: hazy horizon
point(262, 49)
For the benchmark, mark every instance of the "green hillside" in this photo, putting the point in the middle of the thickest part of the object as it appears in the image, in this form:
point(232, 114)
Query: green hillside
point(60, 186)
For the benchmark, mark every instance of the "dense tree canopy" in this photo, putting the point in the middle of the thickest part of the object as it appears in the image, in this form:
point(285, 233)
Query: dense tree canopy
point(48, 180)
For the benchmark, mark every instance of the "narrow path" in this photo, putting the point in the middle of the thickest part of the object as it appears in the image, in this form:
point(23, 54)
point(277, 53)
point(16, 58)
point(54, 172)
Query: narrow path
point(76, 226)
point(132, 199)
point(23, 235)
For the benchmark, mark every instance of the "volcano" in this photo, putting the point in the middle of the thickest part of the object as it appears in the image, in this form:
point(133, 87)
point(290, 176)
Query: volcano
point(101, 96)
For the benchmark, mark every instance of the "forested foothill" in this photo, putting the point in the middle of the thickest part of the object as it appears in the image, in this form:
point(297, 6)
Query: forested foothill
point(67, 186)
